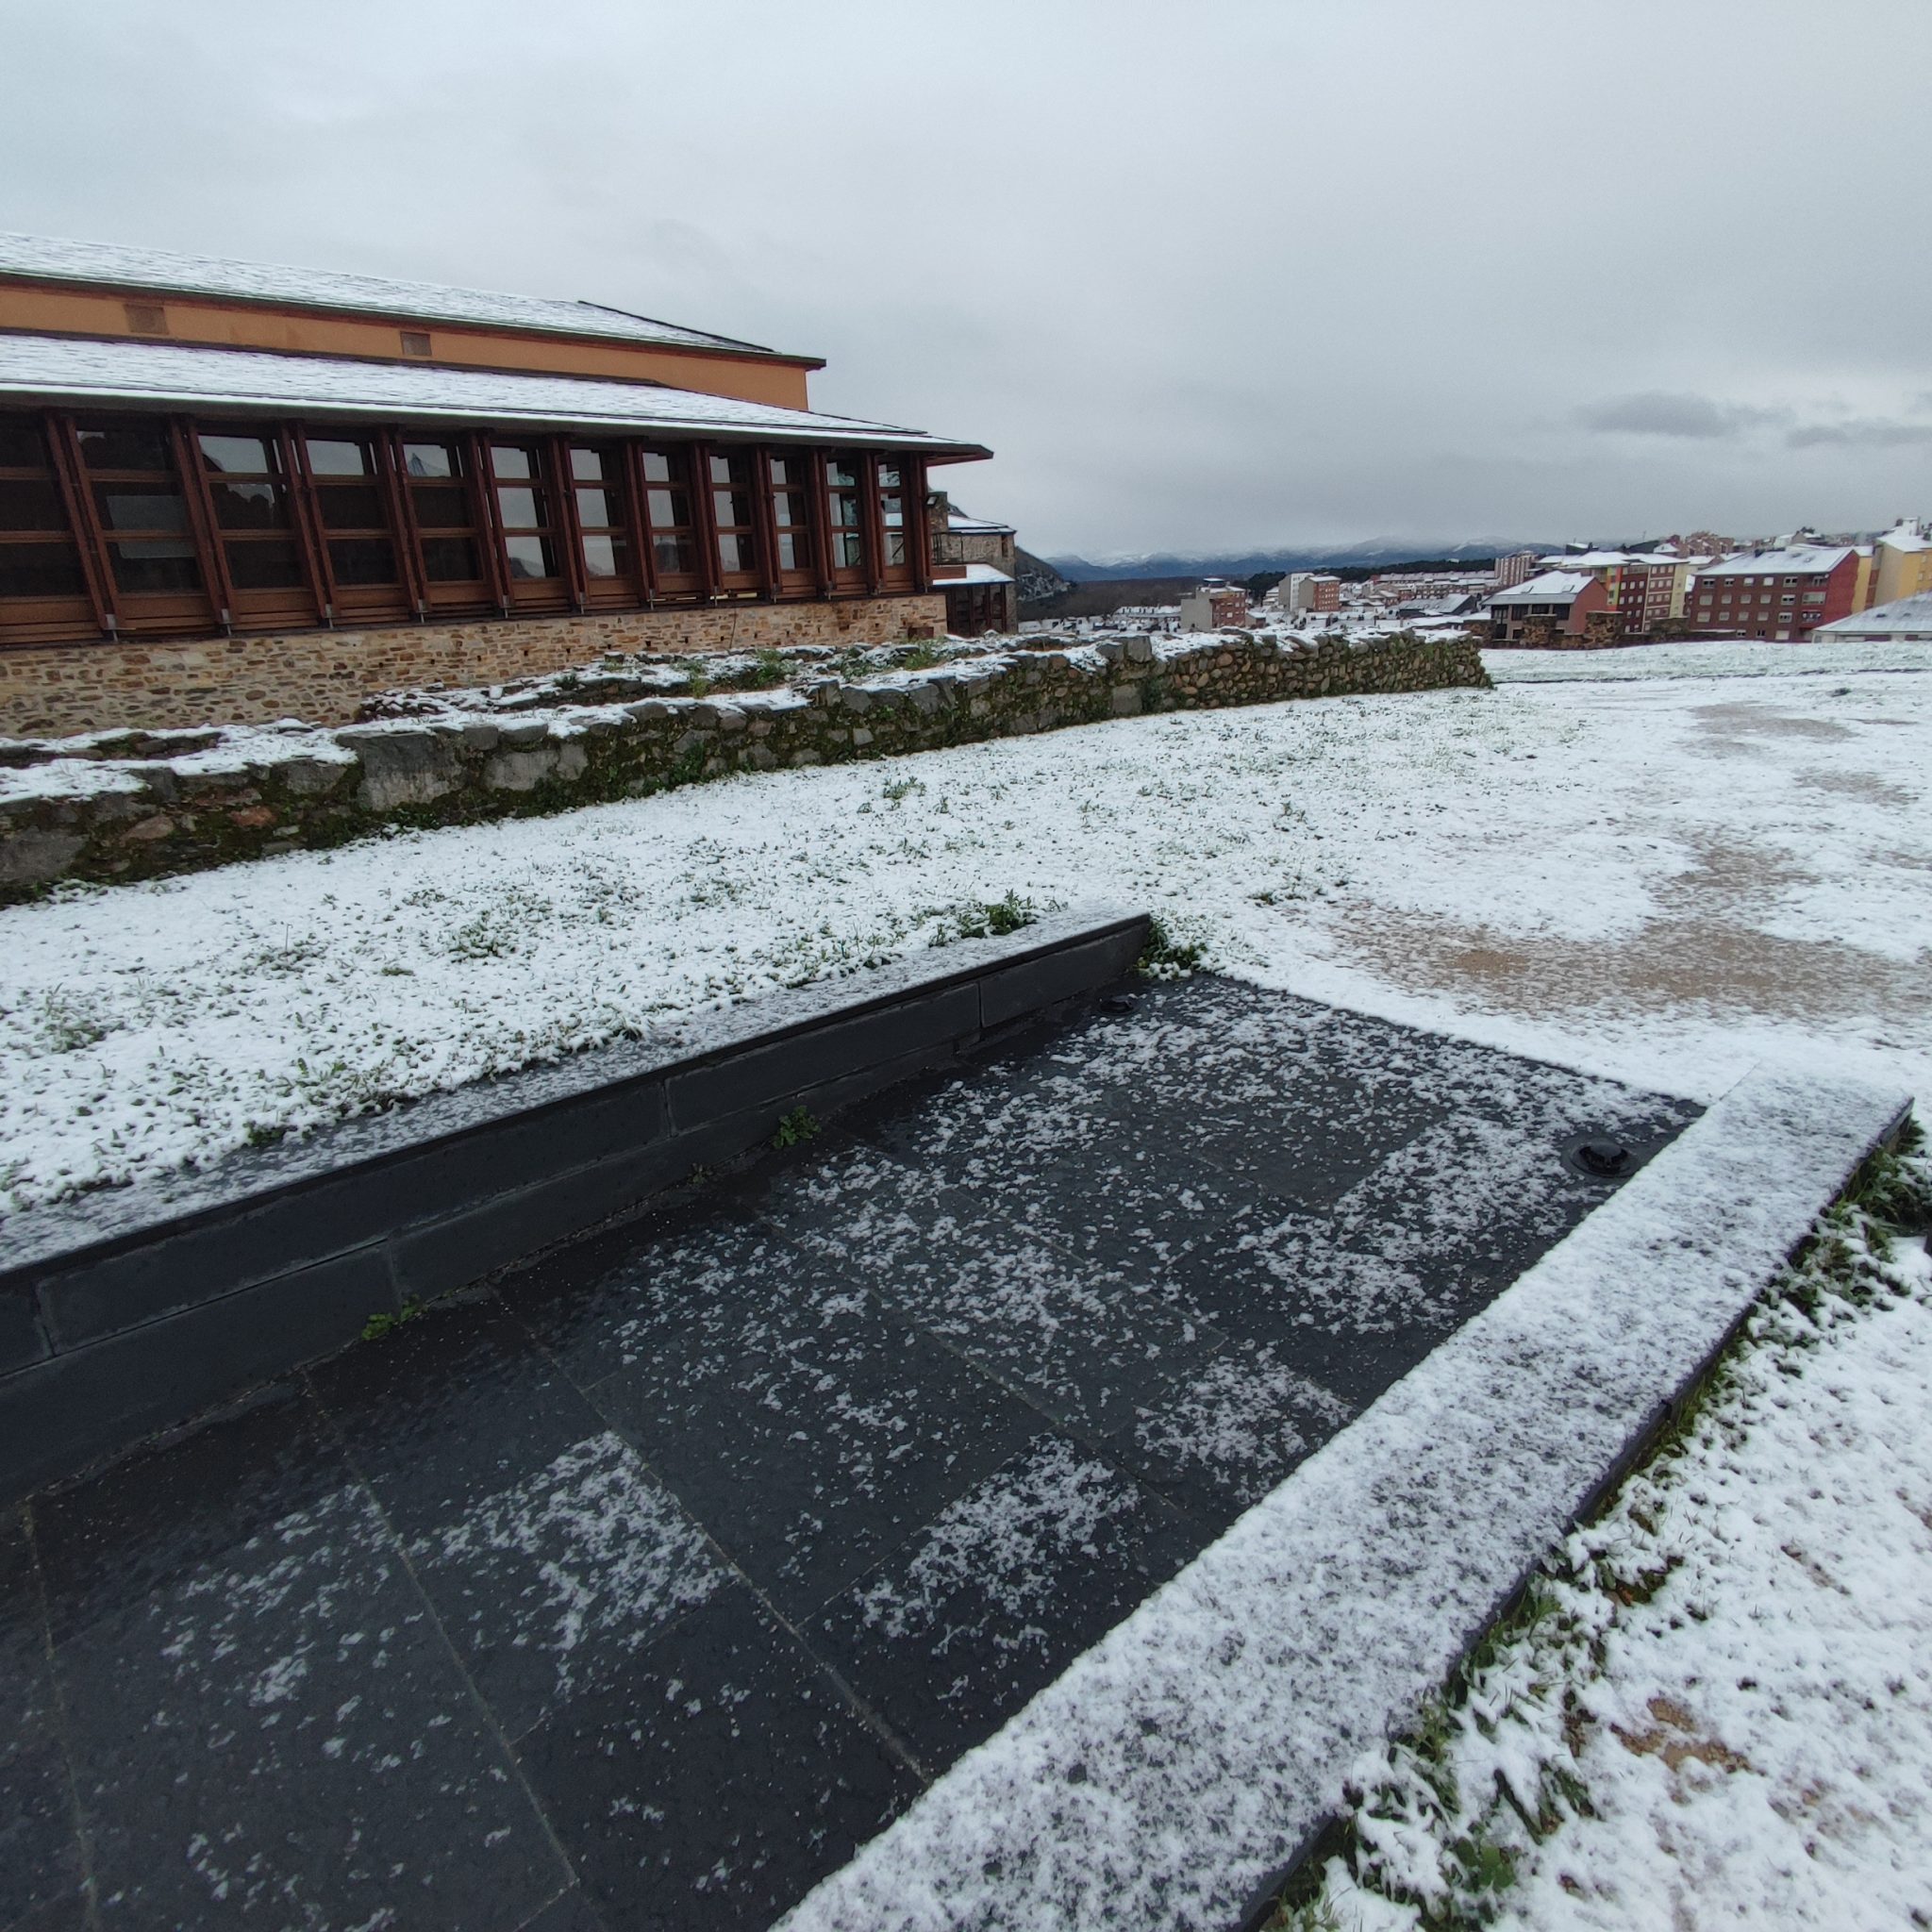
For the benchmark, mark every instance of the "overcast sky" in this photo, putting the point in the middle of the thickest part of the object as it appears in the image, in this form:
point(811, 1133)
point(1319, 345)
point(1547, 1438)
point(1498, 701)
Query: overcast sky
point(1207, 275)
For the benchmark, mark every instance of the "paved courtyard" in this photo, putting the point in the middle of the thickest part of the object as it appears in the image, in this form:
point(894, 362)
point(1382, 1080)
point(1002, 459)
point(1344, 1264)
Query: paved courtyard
point(640, 1588)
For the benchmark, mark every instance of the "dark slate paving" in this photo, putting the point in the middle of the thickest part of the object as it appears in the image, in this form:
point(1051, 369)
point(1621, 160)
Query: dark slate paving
point(640, 1588)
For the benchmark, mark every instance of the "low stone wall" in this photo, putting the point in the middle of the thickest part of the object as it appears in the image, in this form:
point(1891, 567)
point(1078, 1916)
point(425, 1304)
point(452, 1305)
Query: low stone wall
point(244, 794)
point(323, 676)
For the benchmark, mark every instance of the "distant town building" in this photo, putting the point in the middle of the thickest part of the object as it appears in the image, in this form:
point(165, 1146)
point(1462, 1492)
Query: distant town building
point(1884, 623)
point(1645, 586)
point(1517, 568)
point(1307, 590)
point(1215, 605)
point(976, 562)
point(1550, 608)
point(1780, 595)
point(1901, 562)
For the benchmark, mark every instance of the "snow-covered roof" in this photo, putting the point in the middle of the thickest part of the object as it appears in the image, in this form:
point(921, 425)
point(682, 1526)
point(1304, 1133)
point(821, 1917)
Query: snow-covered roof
point(1908, 617)
point(43, 258)
point(975, 574)
point(1593, 559)
point(1799, 559)
point(1551, 587)
point(1907, 537)
point(978, 526)
point(178, 375)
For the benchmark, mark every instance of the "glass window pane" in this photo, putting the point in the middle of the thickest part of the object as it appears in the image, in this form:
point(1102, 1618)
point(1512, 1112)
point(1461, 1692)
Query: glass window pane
point(587, 465)
point(21, 444)
point(443, 506)
point(603, 557)
point(896, 546)
point(787, 470)
point(843, 471)
point(892, 511)
point(432, 460)
point(789, 557)
point(127, 446)
point(596, 510)
point(511, 462)
point(331, 456)
point(25, 506)
point(518, 508)
point(889, 475)
point(846, 551)
point(788, 508)
point(246, 456)
point(269, 565)
point(450, 560)
point(362, 559)
point(135, 506)
point(156, 564)
point(845, 509)
point(673, 554)
point(656, 466)
point(666, 508)
point(734, 554)
point(530, 557)
point(731, 510)
point(40, 570)
point(352, 507)
point(248, 505)
point(721, 469)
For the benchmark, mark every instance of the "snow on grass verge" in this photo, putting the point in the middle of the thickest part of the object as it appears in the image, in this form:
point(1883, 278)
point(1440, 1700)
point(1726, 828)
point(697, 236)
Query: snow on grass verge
point(1164, 1776)
point(1662, 883)
point(1715, 1703)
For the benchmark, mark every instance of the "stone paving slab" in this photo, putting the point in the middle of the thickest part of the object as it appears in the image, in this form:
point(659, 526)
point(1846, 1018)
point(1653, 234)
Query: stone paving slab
point(643, 1588)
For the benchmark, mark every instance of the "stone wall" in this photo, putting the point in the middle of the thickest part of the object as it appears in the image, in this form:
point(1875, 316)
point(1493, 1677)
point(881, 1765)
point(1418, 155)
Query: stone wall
point(322, 676)
point(117, 814)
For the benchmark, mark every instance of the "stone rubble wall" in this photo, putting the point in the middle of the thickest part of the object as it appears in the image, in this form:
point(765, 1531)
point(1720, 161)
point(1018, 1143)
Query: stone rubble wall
point(242, 795)
point(323, 676)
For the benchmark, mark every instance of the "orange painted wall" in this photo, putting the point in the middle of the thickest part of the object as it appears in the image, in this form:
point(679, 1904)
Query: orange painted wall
point(52, 309)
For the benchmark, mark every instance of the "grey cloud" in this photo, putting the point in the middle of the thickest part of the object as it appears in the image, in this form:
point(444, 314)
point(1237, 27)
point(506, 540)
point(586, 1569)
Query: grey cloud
point(1662, 413)
point(1868, 433)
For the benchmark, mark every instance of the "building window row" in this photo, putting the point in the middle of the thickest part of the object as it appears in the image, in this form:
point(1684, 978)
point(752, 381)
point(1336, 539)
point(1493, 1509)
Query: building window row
point(160, 525)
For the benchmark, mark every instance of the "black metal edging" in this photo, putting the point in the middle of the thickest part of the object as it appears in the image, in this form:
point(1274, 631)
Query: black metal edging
point(1328, 1838)
point(108, 1334)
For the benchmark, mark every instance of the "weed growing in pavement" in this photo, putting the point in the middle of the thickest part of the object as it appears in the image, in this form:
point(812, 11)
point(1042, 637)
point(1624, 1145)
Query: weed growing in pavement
point(1173, 949)
point(386, 1323)
point(795, 1128)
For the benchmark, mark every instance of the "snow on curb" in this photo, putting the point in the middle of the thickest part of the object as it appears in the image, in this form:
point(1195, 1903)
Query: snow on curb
point(1171, 1771)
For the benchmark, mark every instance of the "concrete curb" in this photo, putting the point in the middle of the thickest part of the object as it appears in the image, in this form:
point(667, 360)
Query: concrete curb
point(1176, 1771)
point(127, 1312)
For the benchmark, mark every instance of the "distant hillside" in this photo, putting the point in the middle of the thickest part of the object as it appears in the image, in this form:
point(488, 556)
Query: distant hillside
point(1364, 558)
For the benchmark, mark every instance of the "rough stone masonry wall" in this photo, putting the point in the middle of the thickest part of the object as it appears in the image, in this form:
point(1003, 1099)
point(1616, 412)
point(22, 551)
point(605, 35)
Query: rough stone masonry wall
point(107, 818)
point(322, 676)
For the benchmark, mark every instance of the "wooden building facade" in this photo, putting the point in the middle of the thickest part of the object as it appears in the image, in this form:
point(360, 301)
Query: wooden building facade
point(154, 489)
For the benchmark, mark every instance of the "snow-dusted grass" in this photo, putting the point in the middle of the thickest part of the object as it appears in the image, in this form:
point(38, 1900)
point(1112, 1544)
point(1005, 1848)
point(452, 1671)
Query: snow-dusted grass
point(1711, 658)
point(1716, 1705)
point(1663, 882)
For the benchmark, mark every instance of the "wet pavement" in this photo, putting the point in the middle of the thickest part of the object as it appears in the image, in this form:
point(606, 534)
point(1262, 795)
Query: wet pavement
point(642, 1588)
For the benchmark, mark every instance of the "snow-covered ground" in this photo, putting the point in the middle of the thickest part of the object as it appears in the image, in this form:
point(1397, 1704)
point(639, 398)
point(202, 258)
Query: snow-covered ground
point(1721, 1711)
point(1661, 880)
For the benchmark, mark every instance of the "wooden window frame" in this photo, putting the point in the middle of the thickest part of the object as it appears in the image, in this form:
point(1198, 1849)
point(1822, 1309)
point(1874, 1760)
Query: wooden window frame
point(740, 585)
point(291, 607)
point(550, 596)
point(677, 587)
point(107, 611)
point(76, 616)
